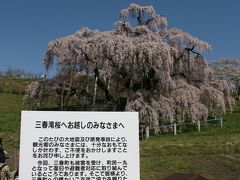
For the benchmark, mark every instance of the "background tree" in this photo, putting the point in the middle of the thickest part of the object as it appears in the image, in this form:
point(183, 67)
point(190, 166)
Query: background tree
point(161, 71)
point(227, 69)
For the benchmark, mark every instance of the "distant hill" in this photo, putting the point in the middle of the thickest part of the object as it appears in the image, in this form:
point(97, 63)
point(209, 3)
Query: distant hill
point(14, 85)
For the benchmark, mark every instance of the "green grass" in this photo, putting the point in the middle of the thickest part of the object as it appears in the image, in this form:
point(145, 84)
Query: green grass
point(195, 152)
point(11, 104)
point(10, 112)
point(14, 85)
point(206, 152)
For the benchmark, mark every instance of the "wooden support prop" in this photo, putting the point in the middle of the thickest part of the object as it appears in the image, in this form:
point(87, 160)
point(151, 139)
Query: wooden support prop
point(175, 128)
point(147, 132)
point(199, 125)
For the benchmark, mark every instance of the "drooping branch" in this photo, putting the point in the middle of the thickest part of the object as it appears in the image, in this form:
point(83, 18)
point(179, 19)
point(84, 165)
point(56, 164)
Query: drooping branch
point(148, 61)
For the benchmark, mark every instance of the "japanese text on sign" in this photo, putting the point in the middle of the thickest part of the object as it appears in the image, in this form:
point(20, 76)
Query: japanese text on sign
point(79, 146)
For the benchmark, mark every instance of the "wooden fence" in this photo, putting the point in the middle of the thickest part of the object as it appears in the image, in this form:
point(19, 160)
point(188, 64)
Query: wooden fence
point(174, 126)
point(144, 132)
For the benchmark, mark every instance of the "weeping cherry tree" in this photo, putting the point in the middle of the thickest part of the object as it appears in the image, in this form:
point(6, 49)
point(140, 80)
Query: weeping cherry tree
point(161, 70)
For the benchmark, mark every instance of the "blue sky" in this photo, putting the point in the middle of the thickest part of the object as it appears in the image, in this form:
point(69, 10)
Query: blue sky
point(26, 26)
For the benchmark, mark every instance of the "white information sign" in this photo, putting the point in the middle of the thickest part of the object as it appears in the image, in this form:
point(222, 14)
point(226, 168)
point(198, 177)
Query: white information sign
point(79, 146)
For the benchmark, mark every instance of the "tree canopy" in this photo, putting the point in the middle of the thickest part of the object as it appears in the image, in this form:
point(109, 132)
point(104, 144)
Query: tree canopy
point(161, 70)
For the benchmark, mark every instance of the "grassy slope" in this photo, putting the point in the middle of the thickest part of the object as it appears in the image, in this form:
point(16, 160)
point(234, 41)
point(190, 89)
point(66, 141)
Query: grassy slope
point(14, 85)
point(10, 111)
point(201, 153)
point(11, 95)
